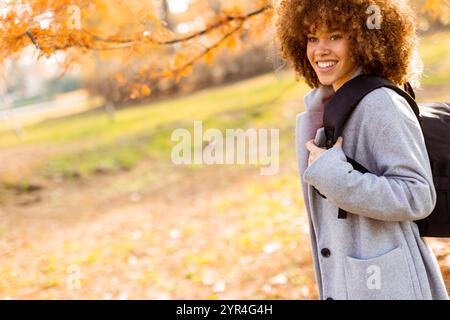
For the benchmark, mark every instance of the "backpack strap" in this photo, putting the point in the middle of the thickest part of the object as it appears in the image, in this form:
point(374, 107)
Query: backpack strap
point(347, 98)
point(339, 109)
point(409, 89)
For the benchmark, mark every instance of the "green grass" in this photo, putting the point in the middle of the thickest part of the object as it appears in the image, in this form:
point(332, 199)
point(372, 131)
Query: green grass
point(91, 143)
point(133, 121)
point(435, 52)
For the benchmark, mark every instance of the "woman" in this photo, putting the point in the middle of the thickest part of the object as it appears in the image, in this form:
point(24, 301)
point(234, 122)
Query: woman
point(377, 252)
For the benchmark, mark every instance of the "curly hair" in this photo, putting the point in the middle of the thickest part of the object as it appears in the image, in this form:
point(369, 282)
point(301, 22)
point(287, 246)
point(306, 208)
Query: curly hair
point(389, 51)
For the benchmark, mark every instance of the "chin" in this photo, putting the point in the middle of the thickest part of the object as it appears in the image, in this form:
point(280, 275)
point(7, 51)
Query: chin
point(326, 82)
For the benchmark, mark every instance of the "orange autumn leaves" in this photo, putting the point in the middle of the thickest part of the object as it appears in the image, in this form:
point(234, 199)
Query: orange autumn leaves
point(134, 33)
point(128, 31)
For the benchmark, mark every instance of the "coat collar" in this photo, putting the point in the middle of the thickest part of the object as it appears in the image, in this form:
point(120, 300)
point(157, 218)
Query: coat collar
point(317, 98)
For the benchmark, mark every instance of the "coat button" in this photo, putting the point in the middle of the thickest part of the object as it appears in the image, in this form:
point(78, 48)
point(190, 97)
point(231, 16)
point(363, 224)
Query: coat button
point(325, 252)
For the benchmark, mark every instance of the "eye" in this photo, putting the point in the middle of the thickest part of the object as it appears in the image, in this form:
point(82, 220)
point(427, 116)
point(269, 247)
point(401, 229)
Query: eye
point(335, 37)
point(312, 39)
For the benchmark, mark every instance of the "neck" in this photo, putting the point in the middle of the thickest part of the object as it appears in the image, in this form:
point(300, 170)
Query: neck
point(339, 83)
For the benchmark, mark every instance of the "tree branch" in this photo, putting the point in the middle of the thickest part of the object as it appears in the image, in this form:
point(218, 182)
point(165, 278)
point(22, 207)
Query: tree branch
point(127, 43)
point(204, 52)
point(226, 20)
point(33, 39)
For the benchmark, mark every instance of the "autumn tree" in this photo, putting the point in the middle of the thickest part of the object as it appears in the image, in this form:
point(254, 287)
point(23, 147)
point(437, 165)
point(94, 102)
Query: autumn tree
point(134, 34)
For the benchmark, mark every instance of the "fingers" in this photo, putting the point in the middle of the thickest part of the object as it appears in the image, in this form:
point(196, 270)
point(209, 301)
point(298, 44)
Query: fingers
point(339, 142)
point(311, 146)
point(315, 151)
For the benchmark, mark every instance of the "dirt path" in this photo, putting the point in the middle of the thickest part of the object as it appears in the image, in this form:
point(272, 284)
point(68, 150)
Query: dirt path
point(169, 241)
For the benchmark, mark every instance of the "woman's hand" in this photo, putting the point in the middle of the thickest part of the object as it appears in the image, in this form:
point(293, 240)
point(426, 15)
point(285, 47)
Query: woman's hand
point(315, 151)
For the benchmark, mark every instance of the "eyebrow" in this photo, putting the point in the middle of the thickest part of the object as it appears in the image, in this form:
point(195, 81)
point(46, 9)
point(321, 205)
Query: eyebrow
point(330, 32)
point(336, 30)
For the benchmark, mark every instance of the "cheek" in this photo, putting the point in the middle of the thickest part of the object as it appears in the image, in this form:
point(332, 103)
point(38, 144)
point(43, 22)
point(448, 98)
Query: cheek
point(349, 60)
point(345, 52)
point(310, 55)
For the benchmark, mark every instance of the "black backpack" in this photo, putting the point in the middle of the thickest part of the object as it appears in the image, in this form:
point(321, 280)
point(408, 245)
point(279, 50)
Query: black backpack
point(434, 119)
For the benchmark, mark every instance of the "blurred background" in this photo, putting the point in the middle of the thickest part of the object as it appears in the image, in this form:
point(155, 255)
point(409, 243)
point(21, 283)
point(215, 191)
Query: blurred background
point(91, 205)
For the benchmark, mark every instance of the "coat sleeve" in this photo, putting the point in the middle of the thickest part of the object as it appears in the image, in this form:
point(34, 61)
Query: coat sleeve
point(402, 189)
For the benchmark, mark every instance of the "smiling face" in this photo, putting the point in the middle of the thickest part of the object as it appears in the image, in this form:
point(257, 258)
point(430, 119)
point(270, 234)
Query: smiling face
point(330, 56)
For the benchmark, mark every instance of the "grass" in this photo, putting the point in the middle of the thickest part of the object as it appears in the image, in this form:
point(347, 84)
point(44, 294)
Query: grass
point(435, 50)
point(134, 121)
point(91, 143)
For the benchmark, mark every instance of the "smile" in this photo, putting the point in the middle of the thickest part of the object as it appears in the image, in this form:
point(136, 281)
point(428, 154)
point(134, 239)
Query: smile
point(326, 66)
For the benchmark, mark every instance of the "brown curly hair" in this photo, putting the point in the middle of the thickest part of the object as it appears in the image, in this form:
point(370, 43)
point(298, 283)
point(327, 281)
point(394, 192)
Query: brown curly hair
point(390, 51)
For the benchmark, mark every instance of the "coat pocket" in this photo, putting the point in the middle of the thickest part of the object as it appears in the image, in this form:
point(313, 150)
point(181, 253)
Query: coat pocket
point(386, 277)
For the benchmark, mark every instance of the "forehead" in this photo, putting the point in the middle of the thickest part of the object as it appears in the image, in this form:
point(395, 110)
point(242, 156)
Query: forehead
point(324, 30)
point(324, 26)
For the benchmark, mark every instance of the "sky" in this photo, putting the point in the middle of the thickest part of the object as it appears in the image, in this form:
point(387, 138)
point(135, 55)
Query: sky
point(178, 6)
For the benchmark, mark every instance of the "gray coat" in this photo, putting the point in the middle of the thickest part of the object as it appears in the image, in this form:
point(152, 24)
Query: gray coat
point(377, 252)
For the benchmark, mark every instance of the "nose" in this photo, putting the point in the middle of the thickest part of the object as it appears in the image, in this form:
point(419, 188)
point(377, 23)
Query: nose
point(322, 48)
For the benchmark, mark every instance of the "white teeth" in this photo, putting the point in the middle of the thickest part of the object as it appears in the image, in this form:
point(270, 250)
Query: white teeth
point(326, 64)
